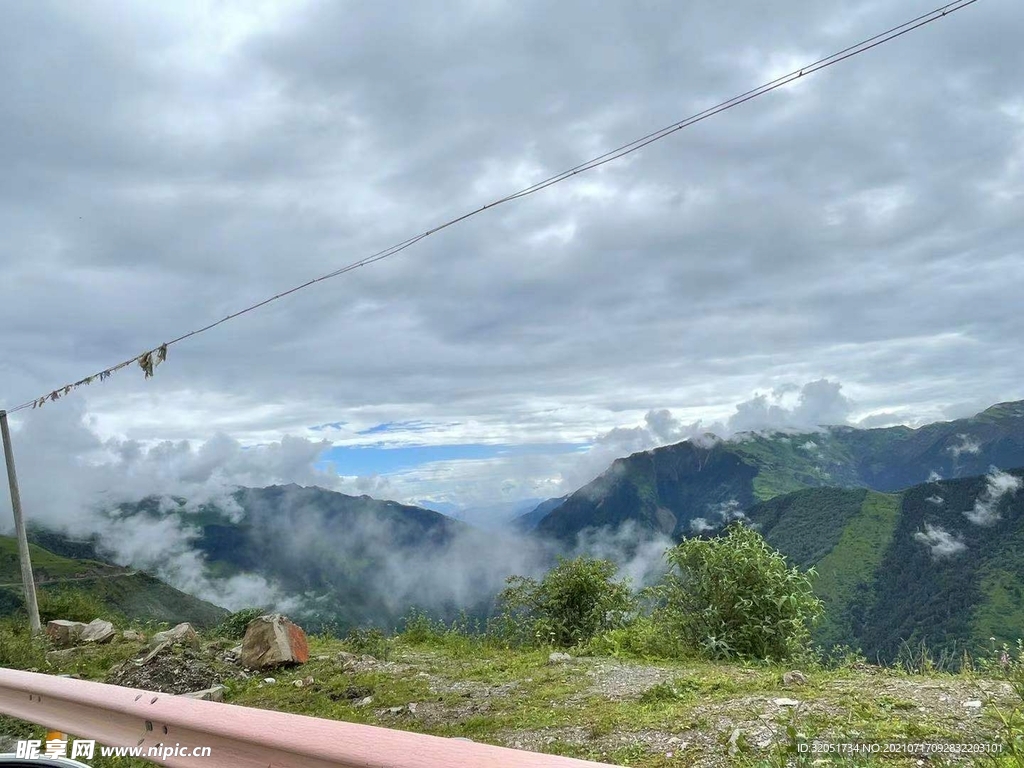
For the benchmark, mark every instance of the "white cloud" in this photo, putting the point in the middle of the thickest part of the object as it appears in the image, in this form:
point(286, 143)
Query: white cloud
point(941, 543)
point(986, 506)
point(965, 444)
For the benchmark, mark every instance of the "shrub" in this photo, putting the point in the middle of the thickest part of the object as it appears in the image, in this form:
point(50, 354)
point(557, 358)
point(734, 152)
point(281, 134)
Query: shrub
point(234, 626)
point(69, 603)
point(735, 597)
point(642, 638)
point(370, 641)
point(575, 601)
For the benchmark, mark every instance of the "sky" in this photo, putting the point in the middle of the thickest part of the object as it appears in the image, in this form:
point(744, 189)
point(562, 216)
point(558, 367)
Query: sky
point(843, 250)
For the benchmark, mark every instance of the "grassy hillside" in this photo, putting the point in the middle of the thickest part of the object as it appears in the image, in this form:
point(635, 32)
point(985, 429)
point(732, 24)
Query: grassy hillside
point(119, 591)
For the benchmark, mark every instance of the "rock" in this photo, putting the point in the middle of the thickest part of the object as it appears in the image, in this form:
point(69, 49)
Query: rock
point(395, 710)
point(63, 633)
point(133, 636)
point(272, 641)
point(182, 633)
point(974, 704)
point(155, 652)
point(98, 631)
point(304, 682)
point(61, 654)
point(559, 658)
point(787, 702)
point(794, 677)
point(735, 743)
point(269, 680)
point(412, 707)
point(216, 693)
point(364, 702)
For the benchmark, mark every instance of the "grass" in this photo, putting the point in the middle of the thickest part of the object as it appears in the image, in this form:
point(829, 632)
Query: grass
point(854, 559)
point(622, 711)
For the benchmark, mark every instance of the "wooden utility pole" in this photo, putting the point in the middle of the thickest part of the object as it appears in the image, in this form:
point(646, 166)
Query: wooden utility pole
point(19, 528)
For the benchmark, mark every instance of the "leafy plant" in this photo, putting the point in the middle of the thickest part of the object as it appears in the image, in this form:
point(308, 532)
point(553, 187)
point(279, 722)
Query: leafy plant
point(370, 641)
point(736, 597)
point(234, 626)
point(575, 601)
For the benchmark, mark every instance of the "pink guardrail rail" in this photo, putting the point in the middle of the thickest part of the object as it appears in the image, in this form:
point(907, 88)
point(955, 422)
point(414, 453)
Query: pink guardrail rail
point(240, 737)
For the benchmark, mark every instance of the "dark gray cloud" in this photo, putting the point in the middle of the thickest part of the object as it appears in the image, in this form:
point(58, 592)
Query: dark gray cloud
point(165, 165)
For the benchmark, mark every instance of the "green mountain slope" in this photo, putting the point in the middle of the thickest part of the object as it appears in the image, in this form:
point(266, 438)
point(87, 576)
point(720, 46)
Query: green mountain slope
point(895, 568)
point(132, 594)
point(677, 489)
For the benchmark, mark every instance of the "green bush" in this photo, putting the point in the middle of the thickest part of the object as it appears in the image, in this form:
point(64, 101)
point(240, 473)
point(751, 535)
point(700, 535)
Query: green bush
point(234, 626)
point(574, 602)
point(369, 640)
point(735, 597)
point(71, 604)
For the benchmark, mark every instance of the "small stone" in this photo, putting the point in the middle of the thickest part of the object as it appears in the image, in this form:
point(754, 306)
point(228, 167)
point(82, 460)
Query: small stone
point(133, 636)
point(412, 707)
point(558, 658)
point(395, 710)
point(973, 704)
point(269, 680)
point(787, 702)
point(364, 702)
point(794, 677)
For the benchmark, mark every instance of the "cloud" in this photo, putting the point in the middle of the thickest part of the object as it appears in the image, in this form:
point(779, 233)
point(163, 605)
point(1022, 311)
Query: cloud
point(719, 515)
point(941, 543)
point(966, 444)
point(95, 475)
point(153, 188)
point(818, 403)
point(701, 525)
point(998, 484)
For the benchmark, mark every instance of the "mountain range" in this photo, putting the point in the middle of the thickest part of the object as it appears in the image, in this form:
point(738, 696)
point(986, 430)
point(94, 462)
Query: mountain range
point(915, 534)
point(676, 489)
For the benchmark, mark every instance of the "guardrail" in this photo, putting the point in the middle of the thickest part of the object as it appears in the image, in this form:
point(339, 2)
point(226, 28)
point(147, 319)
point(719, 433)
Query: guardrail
point(240, 737)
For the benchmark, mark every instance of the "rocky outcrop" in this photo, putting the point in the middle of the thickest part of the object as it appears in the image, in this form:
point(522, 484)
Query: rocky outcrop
point(272, 641)
point(98, 631)
point(64, 634)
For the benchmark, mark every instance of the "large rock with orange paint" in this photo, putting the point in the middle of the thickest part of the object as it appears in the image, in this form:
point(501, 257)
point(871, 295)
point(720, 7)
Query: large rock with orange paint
point(273, 641)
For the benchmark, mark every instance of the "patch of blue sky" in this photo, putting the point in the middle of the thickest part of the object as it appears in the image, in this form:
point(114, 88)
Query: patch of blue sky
point(380, 460)
point(329, 425)
point(397, 426)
